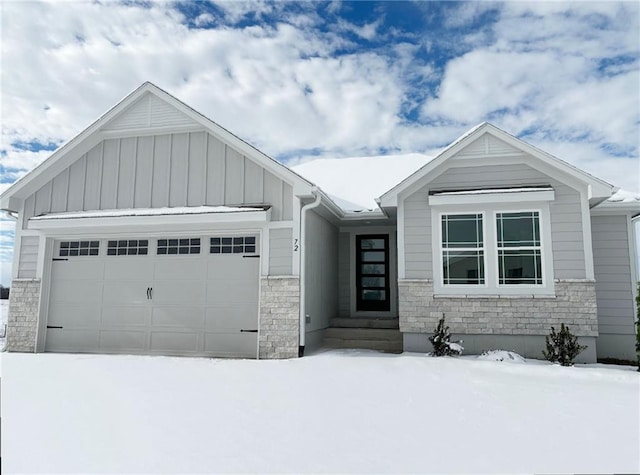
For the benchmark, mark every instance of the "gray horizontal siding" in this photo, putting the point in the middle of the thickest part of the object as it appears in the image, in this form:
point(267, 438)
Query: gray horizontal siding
point(565, 210)
point(27, 267)
point(281, 251)
point(612, 266)
point(417, 236)
point(172, 170)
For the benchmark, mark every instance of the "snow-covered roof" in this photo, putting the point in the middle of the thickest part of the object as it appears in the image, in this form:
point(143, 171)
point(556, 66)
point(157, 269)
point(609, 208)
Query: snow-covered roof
point(354, 183)
point(624, 196)
point(180, 210)
point(488, 191)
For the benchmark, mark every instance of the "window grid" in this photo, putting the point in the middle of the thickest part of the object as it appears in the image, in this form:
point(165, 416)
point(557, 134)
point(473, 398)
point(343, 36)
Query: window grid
point(456, 250)
point(128, 247)
point(233, 245)
point(178, 246)
point(516, 251)
point(79, 248)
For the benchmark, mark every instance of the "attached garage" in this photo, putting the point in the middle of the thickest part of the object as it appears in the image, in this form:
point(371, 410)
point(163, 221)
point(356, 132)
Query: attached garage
point(192, 295)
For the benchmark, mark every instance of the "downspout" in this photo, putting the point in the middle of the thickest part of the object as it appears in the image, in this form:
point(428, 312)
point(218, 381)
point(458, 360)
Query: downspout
point(303, 266)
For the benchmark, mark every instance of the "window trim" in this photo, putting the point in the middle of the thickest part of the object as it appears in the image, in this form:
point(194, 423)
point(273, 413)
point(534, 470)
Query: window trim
point(492, 286)
point(540, 248)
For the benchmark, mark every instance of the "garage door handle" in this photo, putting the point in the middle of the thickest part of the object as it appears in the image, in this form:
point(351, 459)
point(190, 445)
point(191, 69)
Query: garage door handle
point(248, 331)
point(149, 293)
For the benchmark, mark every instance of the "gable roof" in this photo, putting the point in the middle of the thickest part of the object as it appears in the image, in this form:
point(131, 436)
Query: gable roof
point(598, 189)
point(111, 122)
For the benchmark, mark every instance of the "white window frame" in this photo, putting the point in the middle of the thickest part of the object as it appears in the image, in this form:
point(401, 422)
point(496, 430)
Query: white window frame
point(470, 287)
point(520, 248)
point(491, 268)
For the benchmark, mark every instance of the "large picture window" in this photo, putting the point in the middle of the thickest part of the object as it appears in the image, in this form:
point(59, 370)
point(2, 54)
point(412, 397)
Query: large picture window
point(519, 249)
point(462, 249)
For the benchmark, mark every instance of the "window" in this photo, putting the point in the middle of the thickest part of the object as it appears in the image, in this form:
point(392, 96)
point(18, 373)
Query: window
point(233, 245)
point(79, 248)
point(128, 247)
point(462, 249)
point(372, 273)
point(178, 246)
point(519, 249)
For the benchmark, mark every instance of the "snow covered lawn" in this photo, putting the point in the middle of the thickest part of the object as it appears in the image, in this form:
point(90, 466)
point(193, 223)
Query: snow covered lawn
point(340, 411)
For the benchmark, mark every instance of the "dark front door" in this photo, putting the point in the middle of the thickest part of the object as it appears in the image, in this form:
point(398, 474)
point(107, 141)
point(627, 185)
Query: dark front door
point(372, 272)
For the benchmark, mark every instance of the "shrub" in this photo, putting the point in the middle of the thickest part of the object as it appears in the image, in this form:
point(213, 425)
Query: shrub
point(562, 347)
point(441, 341)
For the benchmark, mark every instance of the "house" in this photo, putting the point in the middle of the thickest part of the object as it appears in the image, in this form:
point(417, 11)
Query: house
point(156, 231)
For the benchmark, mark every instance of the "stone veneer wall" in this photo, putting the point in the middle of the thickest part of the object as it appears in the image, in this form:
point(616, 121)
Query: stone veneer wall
point(279, 317)
point(574, 304)
point(22, 324)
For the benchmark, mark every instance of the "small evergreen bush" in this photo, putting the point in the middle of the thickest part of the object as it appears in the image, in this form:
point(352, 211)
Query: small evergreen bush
point(562, 347)
point(441, 341)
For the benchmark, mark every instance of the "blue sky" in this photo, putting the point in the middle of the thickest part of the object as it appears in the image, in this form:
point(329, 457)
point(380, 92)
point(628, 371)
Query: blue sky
point(332, 79)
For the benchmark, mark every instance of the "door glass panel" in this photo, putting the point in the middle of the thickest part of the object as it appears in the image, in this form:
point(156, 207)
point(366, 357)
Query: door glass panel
point(372, 243)
point(376, 295)
point(373, 256)
point(373, 281)
point(377, 269)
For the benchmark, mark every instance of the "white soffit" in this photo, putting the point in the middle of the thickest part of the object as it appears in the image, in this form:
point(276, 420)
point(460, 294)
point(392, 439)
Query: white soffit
point(496, 195)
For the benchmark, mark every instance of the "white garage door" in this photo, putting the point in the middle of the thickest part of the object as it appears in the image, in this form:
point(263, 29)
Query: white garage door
point(193, 295)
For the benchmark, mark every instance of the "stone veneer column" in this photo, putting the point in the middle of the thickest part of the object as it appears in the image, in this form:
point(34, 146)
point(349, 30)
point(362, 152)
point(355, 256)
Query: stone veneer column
point(24, 305)
point(279, 317)
point(574, 304)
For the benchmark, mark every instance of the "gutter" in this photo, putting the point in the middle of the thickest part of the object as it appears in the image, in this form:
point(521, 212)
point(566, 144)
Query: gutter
point(303, 265)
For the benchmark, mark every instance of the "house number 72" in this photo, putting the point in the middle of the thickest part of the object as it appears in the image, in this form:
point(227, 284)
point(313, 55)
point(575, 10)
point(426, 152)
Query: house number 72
point(295, 245)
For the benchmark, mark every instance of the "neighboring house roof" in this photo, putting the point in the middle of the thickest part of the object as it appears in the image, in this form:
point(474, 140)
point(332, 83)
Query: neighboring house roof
point(622, 201)
point(110, 123)
point(598, 189)
point(355, 183)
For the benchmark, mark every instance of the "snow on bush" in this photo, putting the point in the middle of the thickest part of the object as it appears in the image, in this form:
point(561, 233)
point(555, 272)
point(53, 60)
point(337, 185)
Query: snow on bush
point(441, 341)
point(501, 355)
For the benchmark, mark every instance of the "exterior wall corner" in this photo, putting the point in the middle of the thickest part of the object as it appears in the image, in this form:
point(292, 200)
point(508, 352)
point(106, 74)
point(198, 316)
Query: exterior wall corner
point(24, 306)
point(279, 329)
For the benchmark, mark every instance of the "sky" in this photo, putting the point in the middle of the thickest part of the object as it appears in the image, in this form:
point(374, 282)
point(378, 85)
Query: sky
point(303, 80)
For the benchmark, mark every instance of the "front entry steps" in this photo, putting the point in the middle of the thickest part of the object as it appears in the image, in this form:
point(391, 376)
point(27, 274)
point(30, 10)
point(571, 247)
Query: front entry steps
point(380, 334)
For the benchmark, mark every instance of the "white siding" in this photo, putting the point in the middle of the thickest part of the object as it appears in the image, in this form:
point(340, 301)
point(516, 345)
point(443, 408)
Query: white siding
point(28, 257)
point(280, 251)
point(149, 111)
point(185, 169)
point(612, 266)
point(321, 279)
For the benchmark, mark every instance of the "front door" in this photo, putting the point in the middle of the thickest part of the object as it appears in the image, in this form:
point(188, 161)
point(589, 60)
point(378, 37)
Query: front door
point(372, 272)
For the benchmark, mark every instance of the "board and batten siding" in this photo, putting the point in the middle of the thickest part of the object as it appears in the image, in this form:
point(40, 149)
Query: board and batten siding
point(281, 251)
point(612, 266)
point(565, 210)
point(28, 264)
point(169, 170)
point(321, 272)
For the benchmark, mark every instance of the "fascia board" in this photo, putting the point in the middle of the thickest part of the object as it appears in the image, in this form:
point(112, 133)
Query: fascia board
point(141, 222)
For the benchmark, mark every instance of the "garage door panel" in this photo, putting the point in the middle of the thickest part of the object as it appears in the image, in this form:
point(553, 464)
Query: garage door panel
point(232, 267)
point(124, 316)
point(232, 291)
point(231, 344)
point(129, 268)
point(185, 292)
point(73, 315)
point(120, 293)
point(181, 317)
point(123, 340)
point(71, 340)
point(231, 317)
point(76, 292)
point(79, 268)
point(174, 341)
point(172, 269)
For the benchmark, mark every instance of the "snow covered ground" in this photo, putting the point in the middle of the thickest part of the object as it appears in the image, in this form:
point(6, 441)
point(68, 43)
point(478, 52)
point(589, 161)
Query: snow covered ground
point(339, 411)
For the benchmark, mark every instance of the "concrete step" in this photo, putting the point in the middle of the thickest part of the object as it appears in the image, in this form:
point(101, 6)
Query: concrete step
point(363, 334)
point(365, 322)
point(379, 345)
